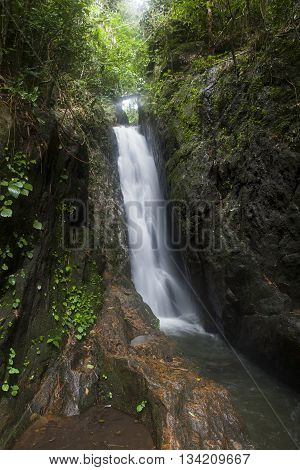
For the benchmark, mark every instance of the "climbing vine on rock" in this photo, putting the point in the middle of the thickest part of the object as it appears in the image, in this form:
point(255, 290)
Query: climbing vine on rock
point(11, 370)
point(73, 307)
point(14, 182)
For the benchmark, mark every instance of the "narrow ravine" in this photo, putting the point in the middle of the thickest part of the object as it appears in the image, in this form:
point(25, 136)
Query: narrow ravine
point(149, 225)
point(270, 410)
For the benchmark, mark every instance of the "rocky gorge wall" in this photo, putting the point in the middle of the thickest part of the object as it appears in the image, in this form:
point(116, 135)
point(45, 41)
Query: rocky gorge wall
point(69, 311)
point(229, 135)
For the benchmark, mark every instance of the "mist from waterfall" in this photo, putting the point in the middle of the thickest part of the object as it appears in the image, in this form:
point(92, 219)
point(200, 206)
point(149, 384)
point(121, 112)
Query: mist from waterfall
point(155, 273)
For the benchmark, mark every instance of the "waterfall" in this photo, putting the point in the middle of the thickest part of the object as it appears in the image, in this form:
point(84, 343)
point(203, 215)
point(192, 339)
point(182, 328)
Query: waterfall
point(155, 272)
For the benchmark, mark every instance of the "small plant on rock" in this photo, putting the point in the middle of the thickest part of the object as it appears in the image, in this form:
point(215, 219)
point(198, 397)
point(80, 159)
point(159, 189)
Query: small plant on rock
point(141, 406)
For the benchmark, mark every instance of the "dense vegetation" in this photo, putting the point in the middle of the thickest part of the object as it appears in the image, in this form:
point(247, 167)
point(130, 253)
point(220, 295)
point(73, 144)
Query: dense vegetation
point(215, 26)
point(187, 38)
point(65, 55)
point(57, 49)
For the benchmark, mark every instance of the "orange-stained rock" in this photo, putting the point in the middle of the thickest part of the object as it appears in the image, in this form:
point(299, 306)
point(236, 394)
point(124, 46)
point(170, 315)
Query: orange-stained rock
point(184, 410)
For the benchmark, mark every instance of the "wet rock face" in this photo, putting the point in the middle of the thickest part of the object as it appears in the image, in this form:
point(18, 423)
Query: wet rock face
point(96, 429)
point(26, 327)
point(232, 156)
point(183, 410)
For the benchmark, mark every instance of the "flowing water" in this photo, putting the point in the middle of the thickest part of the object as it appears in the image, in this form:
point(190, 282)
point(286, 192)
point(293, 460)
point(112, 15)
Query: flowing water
point(270, 410)
point(153, 266)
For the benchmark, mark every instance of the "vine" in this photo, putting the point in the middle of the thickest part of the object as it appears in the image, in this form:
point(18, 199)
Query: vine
point(15, 184)
point(10, 371)
point(74, 307)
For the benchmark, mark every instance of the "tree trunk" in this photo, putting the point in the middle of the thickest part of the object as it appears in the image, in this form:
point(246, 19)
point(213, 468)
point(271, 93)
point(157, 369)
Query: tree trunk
point(210, 25)
point(4, 12)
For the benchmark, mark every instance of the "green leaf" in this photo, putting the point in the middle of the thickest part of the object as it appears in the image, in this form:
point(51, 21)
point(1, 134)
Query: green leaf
point(6, 212)
point(14, 191)
point(28, 186)
point(12, 352)
point(13, 371)
point(5, 387)
point(141, 406)
point(12, 280)
point(37, 225)
point(54, 341)
point(90, 366)
point(4, 267)
point(16, 303)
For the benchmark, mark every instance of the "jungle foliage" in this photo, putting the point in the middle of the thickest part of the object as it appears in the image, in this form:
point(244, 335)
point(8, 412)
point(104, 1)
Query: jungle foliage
point(58, 48)
point(215, 26)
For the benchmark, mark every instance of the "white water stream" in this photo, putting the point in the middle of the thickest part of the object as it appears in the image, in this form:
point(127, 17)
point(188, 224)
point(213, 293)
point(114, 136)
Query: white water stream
point(155, 273)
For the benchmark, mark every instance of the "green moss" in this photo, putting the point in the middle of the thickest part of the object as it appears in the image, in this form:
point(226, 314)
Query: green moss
point(215, 118)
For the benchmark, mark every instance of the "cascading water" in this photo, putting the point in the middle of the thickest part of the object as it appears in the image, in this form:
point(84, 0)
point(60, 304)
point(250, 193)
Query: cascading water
point(154, 270)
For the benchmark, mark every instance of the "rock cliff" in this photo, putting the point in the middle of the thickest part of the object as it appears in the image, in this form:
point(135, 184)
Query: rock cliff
point(229, 133)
